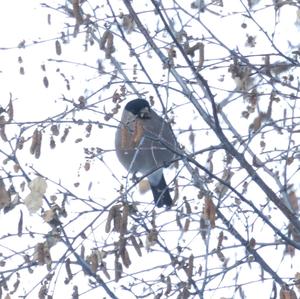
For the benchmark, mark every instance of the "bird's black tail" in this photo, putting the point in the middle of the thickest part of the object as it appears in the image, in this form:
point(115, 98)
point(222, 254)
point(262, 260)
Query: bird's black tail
point(161, 194)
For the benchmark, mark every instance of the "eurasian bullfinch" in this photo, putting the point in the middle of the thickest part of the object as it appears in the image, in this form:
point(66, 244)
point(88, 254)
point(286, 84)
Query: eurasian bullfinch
point(144, 143)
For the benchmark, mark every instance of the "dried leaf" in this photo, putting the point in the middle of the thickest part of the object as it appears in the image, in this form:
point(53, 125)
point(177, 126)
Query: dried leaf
point(294, 201)
point(43, 291)
point(241, 75)
point(104, 39)
point(252, 243)
point(48, 215)
point(39, 185)
point(290, 250)
point(4, 195)
point(295, 233)
point(190, 50)
point(128, 23)
point(107, 43)
point(221, 188)
point(289, 160)
point(199, 5)
point(251, 41)
point(16, 167)
point(209, 211)
point(87, 166)
point(42, 254)
point(93, 259)
point(245, 114)
point(256, 125)
point(109, 46)
point(144, 186)
point(201, 56)
point(171, 56)
point(33, 202)
point(20, 143)
point(54, 129)
point(151, 238)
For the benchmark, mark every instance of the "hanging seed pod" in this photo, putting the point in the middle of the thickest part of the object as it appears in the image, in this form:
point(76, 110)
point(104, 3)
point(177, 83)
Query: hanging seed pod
point(39, 145)
point(2, 133)
point(124, 254)
point(46, 82)
point(34, 141)
point(64, 137)
point(135, 245)
point(118, 270)
point(57, 47)
point(52, 143)
point(124, 220)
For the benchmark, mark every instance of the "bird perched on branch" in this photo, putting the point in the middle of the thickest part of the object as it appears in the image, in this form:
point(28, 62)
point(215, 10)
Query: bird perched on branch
point(144, 142)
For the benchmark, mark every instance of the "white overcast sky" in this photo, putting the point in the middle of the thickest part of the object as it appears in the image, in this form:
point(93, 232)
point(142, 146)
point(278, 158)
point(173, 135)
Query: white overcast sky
point(25, 20)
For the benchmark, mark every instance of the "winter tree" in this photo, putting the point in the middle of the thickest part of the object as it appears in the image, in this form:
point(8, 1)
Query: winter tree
point(224, 75)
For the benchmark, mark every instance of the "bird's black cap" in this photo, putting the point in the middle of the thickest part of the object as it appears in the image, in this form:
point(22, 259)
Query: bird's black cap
point(135, 106)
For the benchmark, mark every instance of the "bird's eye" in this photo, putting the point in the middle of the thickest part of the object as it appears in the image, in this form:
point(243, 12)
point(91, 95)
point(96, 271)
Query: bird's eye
point(144, 113)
